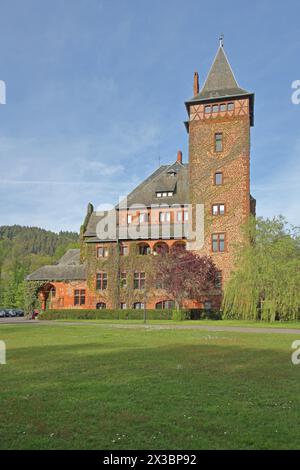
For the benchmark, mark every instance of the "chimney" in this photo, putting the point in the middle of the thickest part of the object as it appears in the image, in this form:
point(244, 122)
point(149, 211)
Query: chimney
point(179, 156)
point(196, 83)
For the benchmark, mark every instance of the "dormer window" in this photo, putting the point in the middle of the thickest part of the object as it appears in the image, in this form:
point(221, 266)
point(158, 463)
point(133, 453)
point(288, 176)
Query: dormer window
point(165, 194)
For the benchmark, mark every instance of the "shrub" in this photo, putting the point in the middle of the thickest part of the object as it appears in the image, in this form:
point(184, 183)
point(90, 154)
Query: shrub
point(181, 315)
point(80, 314)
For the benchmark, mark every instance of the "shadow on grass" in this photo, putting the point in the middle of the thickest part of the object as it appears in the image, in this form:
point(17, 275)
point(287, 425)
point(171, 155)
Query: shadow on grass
point(111, 396)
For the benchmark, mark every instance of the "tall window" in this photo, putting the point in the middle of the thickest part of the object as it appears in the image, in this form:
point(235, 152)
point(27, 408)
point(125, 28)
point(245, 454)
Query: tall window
point(144, 249)
point(123, 306)
point(102, 252)
point(219, 142)
point(53, 292)
point(179, 216)
point(218, 179)
point(165, 216)
point(218, 209)
point(139, 306)
point(124, 250)
point(182, 216)
point(101, 281)
point(139, 280)
point(165, 305)
point(129, 218)
point(79, 297)
point(123, 279)
point(218, 242)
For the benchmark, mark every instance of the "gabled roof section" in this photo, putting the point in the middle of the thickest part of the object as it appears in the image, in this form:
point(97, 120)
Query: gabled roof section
point(220, 82)
point(68, 268)
point(167, 178)
point(173, 178)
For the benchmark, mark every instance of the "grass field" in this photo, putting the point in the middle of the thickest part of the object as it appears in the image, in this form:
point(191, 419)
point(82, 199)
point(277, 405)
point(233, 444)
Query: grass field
point(88, 387)
point(226, 323)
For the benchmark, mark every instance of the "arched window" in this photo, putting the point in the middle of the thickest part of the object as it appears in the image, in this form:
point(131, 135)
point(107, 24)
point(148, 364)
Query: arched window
point(144, 249)
point(139, 306)
point(179, 246)
point(165, 305)
point(53, 292)
point(161, 248)
point(101, 306)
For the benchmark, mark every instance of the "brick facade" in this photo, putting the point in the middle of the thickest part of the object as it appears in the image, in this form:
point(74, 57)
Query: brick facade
point(234, 164)
point(217, 178)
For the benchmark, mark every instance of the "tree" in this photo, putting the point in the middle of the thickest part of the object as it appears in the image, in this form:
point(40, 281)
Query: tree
point(265, 284)
point(186, 275)
point(22, 251)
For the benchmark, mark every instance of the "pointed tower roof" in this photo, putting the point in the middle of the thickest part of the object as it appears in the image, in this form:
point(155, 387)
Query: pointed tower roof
point(220, 82)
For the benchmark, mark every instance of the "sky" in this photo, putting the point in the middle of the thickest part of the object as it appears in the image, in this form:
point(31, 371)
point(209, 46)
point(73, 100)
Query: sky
point(95, 93)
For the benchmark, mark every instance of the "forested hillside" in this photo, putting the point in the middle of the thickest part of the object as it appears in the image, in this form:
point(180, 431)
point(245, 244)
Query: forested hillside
point(24, 249)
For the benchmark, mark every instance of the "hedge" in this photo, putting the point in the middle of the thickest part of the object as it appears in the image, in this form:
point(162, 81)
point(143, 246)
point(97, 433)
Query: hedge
point(82, 314)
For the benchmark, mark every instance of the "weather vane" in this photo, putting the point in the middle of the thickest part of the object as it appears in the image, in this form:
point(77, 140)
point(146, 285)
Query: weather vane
point(221, 39)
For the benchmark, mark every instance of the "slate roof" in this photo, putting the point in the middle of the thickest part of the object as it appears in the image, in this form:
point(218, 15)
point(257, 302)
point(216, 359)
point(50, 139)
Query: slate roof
point(220, 82)
point(167, 178)
point(68, 268)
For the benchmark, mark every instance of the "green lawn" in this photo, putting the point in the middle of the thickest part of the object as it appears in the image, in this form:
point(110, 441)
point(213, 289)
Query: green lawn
point(87, 387)
point(238, 323)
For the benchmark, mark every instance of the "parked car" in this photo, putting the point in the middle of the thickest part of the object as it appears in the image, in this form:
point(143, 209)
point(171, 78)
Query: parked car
point(20, 313)
point(11, 313)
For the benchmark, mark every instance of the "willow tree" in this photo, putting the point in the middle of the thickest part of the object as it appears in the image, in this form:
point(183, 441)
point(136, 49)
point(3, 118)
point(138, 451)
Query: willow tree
point(266, 282)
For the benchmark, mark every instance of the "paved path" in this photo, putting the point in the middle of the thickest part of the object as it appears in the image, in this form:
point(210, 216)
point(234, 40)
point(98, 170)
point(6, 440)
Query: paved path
point(233, 329)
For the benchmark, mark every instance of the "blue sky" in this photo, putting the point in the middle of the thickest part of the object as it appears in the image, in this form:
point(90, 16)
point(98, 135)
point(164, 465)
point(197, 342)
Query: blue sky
point(96, 91)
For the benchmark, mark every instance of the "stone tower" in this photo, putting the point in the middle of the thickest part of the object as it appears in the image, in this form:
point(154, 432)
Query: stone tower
point(220, 117)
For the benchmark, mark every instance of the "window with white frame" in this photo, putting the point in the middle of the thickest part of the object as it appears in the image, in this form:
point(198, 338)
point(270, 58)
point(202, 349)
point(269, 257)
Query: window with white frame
point(218, 209)
point(102, 252)
point(165, 217)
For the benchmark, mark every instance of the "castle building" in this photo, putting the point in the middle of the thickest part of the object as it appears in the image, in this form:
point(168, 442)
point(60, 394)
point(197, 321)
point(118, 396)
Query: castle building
point(209, 194)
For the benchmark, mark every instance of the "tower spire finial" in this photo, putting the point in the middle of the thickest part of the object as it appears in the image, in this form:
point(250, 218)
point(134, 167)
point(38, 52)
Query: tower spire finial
point(221, 39)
